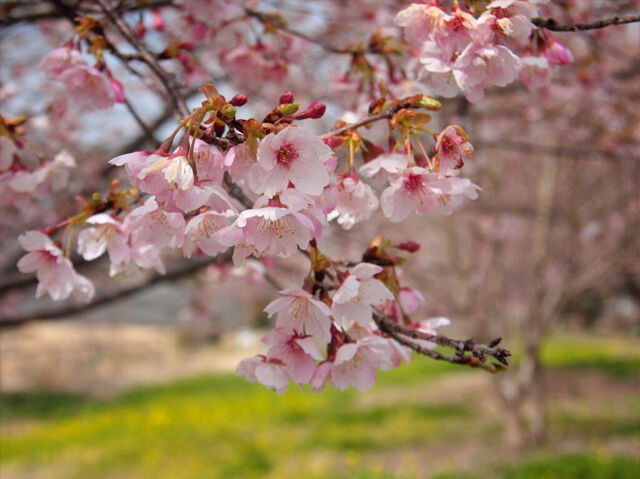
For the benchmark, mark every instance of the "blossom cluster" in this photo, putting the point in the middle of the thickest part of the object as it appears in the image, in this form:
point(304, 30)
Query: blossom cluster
point(91, 87)
point(334, 340)
point(458, 52)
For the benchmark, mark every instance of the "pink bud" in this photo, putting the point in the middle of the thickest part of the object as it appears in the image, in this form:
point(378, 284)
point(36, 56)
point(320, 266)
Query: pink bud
point(315, 111)
point(557, 53)
point(188, 46)
point(287, 97)
point(410, 246)
point(118, 90)
point(239, 100)
point(157, 20)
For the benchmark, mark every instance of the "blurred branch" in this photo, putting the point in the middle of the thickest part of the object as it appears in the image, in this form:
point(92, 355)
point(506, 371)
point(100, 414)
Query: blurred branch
point(478, 352)
point(554, 25)
point(185, 269)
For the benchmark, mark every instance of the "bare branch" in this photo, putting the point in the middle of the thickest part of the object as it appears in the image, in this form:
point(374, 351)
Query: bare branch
point(554, 25)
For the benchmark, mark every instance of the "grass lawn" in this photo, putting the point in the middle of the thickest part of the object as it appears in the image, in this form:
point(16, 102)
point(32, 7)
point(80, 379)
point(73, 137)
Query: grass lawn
point(425, 420)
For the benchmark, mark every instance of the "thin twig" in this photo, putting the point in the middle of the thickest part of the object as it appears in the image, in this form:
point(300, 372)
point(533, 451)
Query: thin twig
point(554, 25)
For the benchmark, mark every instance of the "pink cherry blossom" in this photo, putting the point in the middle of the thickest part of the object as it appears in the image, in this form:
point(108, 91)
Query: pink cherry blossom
point(415, 189)
point(209, 162)
point(268, 230)
point(356, 363)
point(270, 373)
point(59, 60)
point(150, 225)
point(199, 232)
point(419, 22)
point(384, 167)
point(296, 156)
point(358, 293)
point(430, 326)
point(107, 235)
point(300, 311)
point(54, 271)
point(557, 53)
point(535, 72)
point(410, 299)
point(355, 201)
point(459, 189)
point(88, 87)
point(298, 352)
point(452, 149)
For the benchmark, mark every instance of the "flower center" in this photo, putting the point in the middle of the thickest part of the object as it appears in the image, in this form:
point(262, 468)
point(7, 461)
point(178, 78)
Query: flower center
point(286, 154)
point(413, 183)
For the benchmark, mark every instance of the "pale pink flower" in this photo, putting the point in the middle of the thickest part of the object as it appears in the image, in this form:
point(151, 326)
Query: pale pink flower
point(54, 271)
point(296, 156)
point(384, 167)
point(88, 87)
point(459, 189)
point(269, 230)
point(300, 311)
point(452, 149)
point(108, 235)
point(199, 232)
point(355, 201)
point(7, 152)
point(410, 299)
point(320, 376)
point(298, 352)
point(209, 162)
point(415, 189)
point(268, 372)
point(455, 32)
point(150, 225)
point(357, 295)
point(479, 67)
point(356, 363)
point(509, 19)
point(59, 60)
point(420, 22)
point(535, 72)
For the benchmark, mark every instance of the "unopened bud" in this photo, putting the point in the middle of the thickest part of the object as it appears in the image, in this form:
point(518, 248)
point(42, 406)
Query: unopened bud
point(429, 103)
point(316, 110)
point(157, 20)
point(289, 109)
point(238, 100)
point(410, 246)
point(96, 199)
point(287, 97)
point(228, 110)
point(140, 30)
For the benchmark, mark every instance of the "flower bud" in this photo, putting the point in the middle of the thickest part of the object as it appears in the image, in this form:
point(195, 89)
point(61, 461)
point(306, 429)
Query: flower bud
point(288, 109)
point(409, 246)
point(557, 53)
point(315, 111)
point(228, 110)
point(429, 103)
point(140, 30)
point(238, 100)
point(118, 90)
point(287, 97)
point(157, 20)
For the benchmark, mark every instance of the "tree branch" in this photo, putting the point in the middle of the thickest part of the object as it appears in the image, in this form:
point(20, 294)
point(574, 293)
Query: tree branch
point(554, 25)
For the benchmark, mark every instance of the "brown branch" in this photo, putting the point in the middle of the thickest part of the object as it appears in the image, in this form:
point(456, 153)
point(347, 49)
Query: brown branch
point(476, 358)
point(370, 119)
point(554, 25)
point(182, 271)
point(167, 80)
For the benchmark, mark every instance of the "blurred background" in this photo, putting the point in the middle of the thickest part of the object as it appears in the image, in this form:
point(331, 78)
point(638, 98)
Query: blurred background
point(141, 384)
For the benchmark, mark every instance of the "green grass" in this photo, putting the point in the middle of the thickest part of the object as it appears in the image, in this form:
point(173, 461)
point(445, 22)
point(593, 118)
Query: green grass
point(223, 427)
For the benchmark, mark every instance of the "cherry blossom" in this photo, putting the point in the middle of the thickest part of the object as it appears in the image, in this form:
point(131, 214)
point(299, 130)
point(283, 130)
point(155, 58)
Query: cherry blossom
point(199, 232)
point(415, 189)
point(357, 294)
point(296, 156)
point(107, 235)
point(268, 230)
point(7, 152)
point(270, 372)
point(356, 363)
point(300, 311)
point(298, 352)
point(88, 87)
point(55, 272)
point(355, 201)
point(452, 149)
